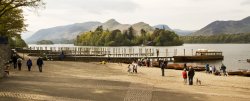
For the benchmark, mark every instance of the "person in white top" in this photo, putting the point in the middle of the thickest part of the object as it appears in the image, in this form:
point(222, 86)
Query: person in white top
point(135, 67)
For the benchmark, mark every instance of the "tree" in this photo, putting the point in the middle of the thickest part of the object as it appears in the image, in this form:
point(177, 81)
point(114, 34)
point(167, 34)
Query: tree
point(131, 33)
point(12, 23)
point(12, 20)
point(8, 5)
point(11, 15)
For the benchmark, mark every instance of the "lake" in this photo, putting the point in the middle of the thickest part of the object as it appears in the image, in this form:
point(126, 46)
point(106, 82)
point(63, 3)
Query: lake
point(235, 55)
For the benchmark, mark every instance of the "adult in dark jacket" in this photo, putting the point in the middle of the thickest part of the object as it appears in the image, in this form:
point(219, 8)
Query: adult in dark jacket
point(39, 63)
point(223, 68)
point(162, 66)
point(191, 74)
point(14, 60)
point(29, 64)
point(19, 63)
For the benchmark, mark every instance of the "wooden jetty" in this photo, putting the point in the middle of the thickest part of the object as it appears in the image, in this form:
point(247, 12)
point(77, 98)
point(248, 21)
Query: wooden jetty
point(95, 54)
point(118, 54)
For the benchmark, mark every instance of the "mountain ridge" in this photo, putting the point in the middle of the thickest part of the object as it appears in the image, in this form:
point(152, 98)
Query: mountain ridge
point(70, 32)
point(225, 27)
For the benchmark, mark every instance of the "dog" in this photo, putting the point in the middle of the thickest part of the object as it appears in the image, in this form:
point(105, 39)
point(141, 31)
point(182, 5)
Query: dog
point(198, 81)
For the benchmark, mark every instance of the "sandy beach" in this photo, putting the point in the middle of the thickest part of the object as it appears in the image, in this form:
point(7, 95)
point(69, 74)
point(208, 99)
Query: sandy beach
point(214, 88)
point(79, 81)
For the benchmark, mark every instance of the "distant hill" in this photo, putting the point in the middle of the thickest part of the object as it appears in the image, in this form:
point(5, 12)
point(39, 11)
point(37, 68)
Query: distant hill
point(66, 34)
point(162, 26)
point(177, 31)
point(225, 27)
point(183, 32)
point(56, 34)
point(112, 24)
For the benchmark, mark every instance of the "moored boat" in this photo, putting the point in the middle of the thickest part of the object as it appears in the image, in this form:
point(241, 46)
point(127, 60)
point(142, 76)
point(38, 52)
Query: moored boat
point(235, 72)
point(155, 64)
point(175, 66)
point(201, 55)
point(199, 68)
point(246, 73)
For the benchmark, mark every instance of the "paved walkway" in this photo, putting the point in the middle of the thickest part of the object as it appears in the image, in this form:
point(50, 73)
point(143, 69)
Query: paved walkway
point(69, 81)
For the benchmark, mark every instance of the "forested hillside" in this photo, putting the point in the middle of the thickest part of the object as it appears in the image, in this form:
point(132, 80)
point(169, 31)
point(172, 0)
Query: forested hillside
point(100, 37)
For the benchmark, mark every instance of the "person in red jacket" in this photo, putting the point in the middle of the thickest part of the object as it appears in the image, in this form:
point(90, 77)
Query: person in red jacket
point(184, 75)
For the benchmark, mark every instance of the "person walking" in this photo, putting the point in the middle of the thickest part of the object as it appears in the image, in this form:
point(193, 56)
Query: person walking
point(40, 64)
point(14, 60)
point(148, 62)
point(191, 74)
point(184, 75)
point(19, 63)
point(223, 68)
point(129, 69)
point(162, 66)
point(135, 67)
point(207, 68)
point(185, 66)
point(29, 64)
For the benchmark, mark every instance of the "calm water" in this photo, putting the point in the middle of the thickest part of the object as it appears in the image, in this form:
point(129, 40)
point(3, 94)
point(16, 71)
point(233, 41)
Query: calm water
point(232, 52)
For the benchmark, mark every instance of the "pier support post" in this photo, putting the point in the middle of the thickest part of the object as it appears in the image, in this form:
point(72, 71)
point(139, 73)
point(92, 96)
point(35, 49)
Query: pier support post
point(184, 52)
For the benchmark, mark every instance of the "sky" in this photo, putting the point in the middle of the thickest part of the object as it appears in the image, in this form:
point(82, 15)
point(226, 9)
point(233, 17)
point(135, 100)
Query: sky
point(177, 14)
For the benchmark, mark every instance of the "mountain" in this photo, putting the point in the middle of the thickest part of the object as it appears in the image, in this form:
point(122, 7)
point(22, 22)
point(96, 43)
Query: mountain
point(60, 33)
point(225, 27)
point(141, 25)
point(162, 26)
point(183, 32)
point(112, 24)
point(67, 33)
point(177, 31)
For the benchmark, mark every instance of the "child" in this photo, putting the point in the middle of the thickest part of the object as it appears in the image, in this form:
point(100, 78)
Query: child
point(129, 69)
point(184, 75)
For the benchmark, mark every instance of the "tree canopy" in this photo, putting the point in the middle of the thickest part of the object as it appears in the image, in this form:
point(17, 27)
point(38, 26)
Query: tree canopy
point(44, 42)
point(223, 38)
point(101, 37)
point(8, 5)
point(12, 19)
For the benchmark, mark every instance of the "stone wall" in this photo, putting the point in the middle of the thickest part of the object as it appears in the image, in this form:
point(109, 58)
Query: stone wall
point(5, 55)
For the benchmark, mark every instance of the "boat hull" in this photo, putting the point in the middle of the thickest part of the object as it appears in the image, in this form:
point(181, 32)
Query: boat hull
point(197, 58)
point(235, 73)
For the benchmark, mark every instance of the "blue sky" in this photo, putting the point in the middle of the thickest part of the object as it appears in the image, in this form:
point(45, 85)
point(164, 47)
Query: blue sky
point(177, 14)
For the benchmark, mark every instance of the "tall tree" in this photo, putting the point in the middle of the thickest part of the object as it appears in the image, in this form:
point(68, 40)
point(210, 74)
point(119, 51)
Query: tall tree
point(11, 14)
point(12, 20)
point(9, 5)
point(12, 23)
point(131, 33)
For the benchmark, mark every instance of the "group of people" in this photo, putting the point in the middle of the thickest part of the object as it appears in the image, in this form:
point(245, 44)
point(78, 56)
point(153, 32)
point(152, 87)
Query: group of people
point(18, 62)
point(213, 70)
point(188, 73)
point(132, 68)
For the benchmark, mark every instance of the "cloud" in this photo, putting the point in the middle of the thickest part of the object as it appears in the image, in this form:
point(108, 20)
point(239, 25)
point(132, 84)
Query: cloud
point(246, 2)
point(95, 6)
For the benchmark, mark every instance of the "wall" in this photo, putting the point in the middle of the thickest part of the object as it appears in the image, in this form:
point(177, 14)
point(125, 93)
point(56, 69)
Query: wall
point(5, 55)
